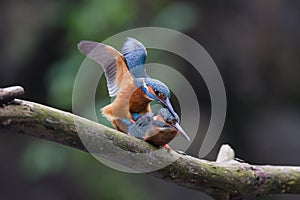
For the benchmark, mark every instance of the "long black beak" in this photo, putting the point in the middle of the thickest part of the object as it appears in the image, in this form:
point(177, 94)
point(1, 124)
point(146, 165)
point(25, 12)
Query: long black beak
point(169, 106)
point(181, 131)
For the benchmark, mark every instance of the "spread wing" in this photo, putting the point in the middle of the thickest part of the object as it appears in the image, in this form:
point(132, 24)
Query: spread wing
point(112, 62)
point(135, 55)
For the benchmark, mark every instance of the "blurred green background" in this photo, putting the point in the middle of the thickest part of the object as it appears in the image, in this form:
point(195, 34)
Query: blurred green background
point(255, 45)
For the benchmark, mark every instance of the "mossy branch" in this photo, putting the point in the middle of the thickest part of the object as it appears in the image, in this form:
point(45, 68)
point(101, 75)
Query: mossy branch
point(223, 179)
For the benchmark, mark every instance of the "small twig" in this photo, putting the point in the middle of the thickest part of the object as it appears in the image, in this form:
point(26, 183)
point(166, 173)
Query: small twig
point(8, 94)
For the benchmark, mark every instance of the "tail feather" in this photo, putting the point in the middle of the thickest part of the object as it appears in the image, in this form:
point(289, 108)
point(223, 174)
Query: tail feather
point(107, 112)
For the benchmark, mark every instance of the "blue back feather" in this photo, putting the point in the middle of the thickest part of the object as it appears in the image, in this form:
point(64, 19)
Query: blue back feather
point(135, 55)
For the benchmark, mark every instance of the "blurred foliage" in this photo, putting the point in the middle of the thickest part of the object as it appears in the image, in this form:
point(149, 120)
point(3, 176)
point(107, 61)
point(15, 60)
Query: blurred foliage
point(255, 44)
point(60, 80)
point(43, 158)
point(95, 20)
point(169, 17)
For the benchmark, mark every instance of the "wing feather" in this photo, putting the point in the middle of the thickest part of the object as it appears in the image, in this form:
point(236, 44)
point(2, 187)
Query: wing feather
point(135, 55)
point(112, 62)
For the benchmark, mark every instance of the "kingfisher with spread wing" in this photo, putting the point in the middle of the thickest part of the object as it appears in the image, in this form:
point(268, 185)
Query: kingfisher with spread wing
point(128, 82)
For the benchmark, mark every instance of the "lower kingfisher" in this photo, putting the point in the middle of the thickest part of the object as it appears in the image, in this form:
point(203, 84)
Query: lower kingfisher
point(127, 81)
point(157, 128)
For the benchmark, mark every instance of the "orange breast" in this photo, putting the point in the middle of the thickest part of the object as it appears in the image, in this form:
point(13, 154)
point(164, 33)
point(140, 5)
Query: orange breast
point(129, 100)
point(139, 102)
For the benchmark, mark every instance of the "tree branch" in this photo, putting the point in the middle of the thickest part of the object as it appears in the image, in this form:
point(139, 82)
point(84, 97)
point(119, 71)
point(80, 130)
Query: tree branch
point(224, 179)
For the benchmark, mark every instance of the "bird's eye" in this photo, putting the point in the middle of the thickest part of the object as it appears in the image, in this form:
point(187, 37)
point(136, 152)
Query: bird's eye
point(161, 95)
point(170, 121)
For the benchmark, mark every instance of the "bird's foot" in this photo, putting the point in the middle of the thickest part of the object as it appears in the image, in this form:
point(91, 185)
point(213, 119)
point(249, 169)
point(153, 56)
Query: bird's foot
point(167, 147)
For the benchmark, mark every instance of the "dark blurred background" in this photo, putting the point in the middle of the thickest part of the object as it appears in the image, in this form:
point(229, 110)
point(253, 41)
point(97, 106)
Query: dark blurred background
point(255, 45)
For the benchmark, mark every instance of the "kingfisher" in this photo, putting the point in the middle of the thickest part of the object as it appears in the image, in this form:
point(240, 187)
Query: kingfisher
point(127, 81)
point(157, 128)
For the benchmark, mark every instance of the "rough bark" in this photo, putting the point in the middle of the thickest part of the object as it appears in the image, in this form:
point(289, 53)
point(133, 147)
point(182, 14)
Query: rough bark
point(225, 178)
